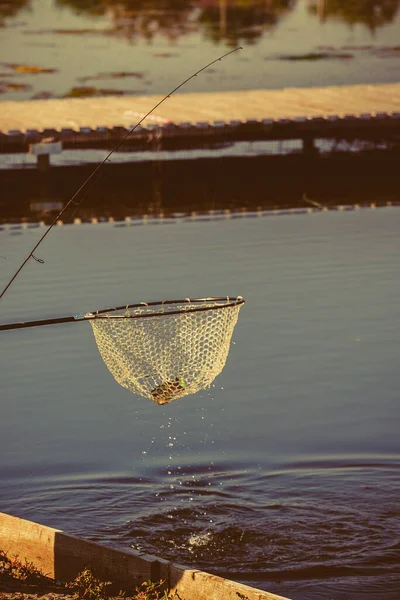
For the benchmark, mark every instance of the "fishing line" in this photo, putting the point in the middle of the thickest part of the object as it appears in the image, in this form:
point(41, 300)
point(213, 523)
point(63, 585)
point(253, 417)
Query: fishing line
point(106, 159)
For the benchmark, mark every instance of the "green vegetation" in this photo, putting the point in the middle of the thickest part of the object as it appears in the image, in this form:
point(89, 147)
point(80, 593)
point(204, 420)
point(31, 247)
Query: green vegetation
point(22, 571)
point(86, 585)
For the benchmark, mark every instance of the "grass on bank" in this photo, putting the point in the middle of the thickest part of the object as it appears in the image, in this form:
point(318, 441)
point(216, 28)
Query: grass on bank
point(85, 585)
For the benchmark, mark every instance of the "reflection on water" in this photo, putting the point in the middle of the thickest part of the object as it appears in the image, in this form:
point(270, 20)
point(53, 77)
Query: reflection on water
point(162, 188)
point(241, 22)
point(9, 9)
point(145, 19)
point(144, 45)
point(221, 20)
point(224, 18)
point(372, 14)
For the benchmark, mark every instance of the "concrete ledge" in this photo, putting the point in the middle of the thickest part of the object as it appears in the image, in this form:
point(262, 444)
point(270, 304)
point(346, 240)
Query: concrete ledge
point(62, 557)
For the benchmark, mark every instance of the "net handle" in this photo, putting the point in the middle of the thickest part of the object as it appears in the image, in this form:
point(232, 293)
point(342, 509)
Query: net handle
point(230, 301)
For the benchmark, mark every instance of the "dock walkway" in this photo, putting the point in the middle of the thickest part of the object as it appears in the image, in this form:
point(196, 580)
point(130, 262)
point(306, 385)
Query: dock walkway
point(366, 112)
point(205, 107)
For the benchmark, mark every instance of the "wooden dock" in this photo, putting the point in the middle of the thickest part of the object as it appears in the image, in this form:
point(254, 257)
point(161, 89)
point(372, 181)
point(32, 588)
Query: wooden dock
point(62, 557)
point(205, 107)
point(360, 111)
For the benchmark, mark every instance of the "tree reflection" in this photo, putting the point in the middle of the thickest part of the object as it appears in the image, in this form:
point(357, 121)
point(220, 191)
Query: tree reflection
point(372, 13)
point(241, 20)
point(140, 17)
point(92, 7)
point(9, 8)
point(146, 18)
point(231, 20)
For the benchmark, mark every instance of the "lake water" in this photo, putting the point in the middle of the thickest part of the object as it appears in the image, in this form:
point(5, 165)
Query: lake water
point(103, 47)
point(285, 474)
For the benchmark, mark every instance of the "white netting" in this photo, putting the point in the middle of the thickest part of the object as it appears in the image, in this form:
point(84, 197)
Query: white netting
point(167, 356)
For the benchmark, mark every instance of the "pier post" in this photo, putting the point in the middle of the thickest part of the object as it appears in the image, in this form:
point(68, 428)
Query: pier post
point(42, 150)
point(309, 148)
point(43, 162)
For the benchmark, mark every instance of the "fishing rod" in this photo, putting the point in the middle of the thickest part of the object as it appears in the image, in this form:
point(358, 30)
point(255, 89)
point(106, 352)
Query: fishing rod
point(100, 165)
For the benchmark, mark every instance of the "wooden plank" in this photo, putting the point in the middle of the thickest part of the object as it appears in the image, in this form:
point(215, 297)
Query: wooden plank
point(198, 585)
point(28, 540)
point(196, 107)
point(62, 557)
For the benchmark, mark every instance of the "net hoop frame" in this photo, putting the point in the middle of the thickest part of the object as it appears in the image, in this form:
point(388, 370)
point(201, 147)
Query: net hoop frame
point(185, 367)
point(100, 314)
point(218, 304)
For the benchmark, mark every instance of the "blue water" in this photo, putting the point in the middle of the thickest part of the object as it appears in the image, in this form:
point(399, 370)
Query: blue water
point(285, 474)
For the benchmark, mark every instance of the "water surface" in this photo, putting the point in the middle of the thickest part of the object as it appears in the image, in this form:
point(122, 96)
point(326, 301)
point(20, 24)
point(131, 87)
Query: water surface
point(102, 47)
point(285, 475)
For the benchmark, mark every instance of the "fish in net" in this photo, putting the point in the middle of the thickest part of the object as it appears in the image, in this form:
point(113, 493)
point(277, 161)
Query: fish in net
point(164, 351)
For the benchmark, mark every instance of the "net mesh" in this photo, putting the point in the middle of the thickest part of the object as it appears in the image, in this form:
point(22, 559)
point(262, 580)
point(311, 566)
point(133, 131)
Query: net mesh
point(169, 350)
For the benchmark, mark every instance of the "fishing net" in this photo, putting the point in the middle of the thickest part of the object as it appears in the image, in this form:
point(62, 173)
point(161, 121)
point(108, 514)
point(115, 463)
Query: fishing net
point(166, 350)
